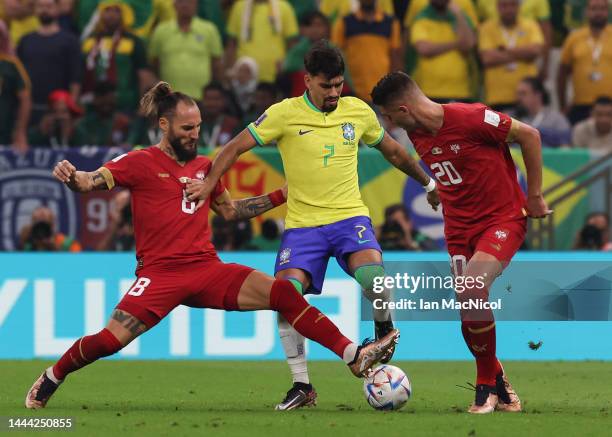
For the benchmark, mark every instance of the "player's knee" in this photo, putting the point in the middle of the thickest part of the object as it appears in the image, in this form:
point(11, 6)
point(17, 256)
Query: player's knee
point(281, 294)
point(366, 276)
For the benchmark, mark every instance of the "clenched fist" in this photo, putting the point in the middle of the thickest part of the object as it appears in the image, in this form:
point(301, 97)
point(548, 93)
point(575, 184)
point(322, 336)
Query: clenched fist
point(64, 171)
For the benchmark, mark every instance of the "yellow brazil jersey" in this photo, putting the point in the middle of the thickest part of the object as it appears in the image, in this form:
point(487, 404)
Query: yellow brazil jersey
point(334, 9)
point(538, 10)
point(319, 153)
point(590, 60)
point(494, 35)
point(445, 76)
point(416, 6)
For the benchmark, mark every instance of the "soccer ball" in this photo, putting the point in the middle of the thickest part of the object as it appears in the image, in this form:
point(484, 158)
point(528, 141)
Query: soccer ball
point(387, 388)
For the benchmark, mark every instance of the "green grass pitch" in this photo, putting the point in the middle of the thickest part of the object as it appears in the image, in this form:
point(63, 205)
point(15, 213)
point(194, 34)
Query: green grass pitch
point(112, 398)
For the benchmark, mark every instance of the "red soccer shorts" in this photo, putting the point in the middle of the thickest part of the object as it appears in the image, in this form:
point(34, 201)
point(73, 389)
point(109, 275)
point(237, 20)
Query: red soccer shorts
point(157, 291)
point(500, 240)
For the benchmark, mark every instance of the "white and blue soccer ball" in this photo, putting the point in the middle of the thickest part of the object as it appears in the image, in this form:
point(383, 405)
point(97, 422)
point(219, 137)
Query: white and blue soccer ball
point(387, 388)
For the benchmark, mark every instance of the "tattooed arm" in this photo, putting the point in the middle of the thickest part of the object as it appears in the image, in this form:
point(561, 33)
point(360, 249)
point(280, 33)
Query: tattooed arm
point(80, 181)
point(231, 209)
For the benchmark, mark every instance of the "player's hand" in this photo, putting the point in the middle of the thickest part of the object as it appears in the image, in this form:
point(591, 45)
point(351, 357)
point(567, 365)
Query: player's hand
point(433, 198)
point(64, 171)
point(537, 207)
point(198, 190)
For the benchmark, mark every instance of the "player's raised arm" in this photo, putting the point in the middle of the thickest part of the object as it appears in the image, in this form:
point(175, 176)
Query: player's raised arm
point(231, 209)
point(267, 128)
point(79, 181)
point(228, 155)
point(531, 147)
point(399, 157)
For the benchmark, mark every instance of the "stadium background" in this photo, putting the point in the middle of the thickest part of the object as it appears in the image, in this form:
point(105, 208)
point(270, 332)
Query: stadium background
point(48, 300)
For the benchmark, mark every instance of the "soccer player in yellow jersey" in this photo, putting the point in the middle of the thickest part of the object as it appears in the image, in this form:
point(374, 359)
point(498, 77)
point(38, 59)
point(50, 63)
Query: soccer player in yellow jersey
point(318, 136)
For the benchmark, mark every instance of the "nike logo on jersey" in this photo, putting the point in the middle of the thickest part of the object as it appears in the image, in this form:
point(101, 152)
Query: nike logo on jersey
point(304, 132)
point(363, 241)
point(436, 151)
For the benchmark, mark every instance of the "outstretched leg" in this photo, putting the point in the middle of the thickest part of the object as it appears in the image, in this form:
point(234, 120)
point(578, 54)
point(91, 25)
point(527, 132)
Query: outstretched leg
point(260, 291)
point(119, 332)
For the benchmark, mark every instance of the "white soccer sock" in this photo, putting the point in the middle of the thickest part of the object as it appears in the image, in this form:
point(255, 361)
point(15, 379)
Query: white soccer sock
point(52, 377)
point(293, 344)
point(349, 353)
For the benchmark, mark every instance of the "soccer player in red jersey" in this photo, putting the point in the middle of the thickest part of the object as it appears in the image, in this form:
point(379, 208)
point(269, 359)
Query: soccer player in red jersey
point(176, 262)
point(485, 210)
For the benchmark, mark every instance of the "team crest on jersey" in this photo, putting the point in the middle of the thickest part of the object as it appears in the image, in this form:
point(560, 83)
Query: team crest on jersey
point(501, 235)
point(200, 175)
point(284, 256)
point(436, 151)
point(455, 148)
point(348, 132)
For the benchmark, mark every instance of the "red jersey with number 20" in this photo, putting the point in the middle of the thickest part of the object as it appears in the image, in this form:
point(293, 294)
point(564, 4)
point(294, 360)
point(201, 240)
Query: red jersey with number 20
point(167, 227)
point(473, 168)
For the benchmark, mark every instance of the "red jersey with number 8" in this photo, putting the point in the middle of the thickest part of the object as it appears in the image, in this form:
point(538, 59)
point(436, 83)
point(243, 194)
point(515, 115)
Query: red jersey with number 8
point(474, 171)
point(167, 227)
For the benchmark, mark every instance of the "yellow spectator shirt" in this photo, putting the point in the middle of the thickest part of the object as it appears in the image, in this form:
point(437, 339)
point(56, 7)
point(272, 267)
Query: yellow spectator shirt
point(538, 10)
point(501, 80)
point(264, 45)
point(443, 76)
point(363, 42)
point(319, 153)
point(185, 58)
point(335, 9)
point(591, 64)
point(416, 6)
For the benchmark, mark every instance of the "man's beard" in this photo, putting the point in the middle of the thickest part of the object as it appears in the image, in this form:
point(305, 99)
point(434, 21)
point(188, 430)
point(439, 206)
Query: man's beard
point(368, 7)
point(329, 107)
point(182, 153)
point(599, 23)
point(46, 19)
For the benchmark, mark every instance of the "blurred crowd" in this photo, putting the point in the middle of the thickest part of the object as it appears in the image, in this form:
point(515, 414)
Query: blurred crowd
point(72, 71)
point(396, 233)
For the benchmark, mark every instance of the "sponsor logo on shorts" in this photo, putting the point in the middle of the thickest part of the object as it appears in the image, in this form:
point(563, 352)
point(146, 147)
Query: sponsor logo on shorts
point(363, 241)
point(284, 256)
point(304, 132)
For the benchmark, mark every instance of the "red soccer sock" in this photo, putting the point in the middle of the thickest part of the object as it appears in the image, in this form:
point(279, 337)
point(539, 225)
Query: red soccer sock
point(478, 329)
point(482, 344)
point(306, 319)
point(85, 351)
